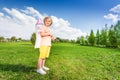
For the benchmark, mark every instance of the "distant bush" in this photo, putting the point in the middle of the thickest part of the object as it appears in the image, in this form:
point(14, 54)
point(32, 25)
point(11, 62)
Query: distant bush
point(33, 38)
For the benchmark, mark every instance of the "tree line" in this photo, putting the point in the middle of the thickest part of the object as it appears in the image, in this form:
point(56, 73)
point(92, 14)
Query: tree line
point(11, 39)
point(107, 37)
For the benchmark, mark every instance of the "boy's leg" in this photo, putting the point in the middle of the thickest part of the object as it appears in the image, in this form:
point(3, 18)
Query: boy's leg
point(43, 63)
point(45, 68)
point(46, 55)
point(40, 70)
point(39, 63)
point(41, 60)
point(43, 50)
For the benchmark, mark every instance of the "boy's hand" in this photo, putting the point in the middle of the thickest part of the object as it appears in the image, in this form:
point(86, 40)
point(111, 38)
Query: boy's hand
point(52, 37)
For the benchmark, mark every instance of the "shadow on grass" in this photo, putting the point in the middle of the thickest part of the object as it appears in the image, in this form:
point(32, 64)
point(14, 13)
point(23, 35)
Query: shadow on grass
point(17, 68)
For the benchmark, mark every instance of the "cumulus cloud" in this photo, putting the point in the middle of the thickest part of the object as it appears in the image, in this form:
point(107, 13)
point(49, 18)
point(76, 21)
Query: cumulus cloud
point(63, 29)
point(21, 23)
point(112, 17)
point(16, 23)
point(116, 9)
point(33, 12)
point(1, 14)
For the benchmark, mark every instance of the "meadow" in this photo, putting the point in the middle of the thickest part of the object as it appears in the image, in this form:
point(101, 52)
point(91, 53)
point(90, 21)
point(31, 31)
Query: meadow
point(18, 61)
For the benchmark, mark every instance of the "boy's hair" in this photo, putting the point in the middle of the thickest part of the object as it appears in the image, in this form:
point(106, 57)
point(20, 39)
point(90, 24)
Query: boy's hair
point(48, 18)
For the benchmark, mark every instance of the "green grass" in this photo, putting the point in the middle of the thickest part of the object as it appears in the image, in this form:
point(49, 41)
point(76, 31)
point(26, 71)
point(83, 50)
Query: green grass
point(18, 61)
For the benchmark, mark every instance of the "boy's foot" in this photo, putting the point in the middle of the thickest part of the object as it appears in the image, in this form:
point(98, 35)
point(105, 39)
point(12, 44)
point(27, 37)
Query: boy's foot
point(41, 71)
point(46, 68)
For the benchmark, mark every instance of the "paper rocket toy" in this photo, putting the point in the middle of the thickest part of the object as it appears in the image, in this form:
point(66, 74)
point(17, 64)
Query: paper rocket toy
point(37, 31)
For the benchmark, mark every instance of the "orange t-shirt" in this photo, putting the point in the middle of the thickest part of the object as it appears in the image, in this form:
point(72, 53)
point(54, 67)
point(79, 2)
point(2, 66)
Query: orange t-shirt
point(46, 40)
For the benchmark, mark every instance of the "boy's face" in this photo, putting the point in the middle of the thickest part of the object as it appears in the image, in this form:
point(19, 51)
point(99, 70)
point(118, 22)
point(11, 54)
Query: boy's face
point(48, 22)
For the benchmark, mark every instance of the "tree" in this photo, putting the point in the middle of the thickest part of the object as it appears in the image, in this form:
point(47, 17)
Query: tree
point(33, 38)
point(8, 39)
point(117, 32)
point(82, 40)
point(72, 41)
point(13, 38)
point(103, 37)
point(78, 40)
point(19, 39)
point(1, 38)
point(86, 40)
point(112, 37)
point(91, 38)
point(98, 37)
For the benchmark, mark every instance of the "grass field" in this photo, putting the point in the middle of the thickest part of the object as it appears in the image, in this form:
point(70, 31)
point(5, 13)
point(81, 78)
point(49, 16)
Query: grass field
point(67, 61)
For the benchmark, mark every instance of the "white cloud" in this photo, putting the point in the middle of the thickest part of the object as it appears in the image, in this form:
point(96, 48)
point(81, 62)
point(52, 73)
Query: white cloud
point(33, 12)
point(116, 9)
point(1, 14)
point(61, 28)
point(112, 17)
point(16, 23)
point(20, 23)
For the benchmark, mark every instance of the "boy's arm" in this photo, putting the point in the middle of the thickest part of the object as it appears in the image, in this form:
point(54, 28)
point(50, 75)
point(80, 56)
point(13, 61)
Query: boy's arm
point(43, 34)
point(52, 37)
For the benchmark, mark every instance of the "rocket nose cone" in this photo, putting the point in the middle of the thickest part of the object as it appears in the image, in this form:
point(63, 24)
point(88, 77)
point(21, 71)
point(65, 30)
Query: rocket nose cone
point(38, 21)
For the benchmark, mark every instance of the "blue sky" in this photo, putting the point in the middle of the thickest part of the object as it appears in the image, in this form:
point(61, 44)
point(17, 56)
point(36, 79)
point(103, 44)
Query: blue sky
point(81, 14)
